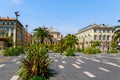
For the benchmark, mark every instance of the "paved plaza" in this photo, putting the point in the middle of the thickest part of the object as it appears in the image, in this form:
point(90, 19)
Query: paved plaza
point(80, 67)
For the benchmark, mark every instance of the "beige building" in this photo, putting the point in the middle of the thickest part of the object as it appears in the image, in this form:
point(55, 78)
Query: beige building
point(95, 32)
point(11, 27)
point(56, 36)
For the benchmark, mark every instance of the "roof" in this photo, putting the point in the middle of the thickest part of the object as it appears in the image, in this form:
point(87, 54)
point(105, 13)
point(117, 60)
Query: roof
point(51, 30)
point(10, 19)
point(96, 26)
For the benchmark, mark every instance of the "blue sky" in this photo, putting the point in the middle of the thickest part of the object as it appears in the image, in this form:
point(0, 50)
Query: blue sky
point(66, 16)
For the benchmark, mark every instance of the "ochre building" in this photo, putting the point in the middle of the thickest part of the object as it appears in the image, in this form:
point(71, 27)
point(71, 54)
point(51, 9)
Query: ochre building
point(10, 27)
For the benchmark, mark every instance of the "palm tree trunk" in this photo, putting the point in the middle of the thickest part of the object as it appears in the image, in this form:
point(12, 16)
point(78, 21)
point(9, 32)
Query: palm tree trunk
point(42, 39)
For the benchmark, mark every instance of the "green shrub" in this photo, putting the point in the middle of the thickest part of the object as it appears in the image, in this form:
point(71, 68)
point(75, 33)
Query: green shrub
point(98, 50)
point(90, 50)
point(69, 52)
point(35, 63)
point(11, 51)
point(38, 78)
point(78, 49)
point(56, 49)
point(113, 51)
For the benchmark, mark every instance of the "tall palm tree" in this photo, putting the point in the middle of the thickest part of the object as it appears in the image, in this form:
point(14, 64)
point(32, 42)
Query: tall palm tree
point(70, 40)
point(117, 33)
point(42, 33)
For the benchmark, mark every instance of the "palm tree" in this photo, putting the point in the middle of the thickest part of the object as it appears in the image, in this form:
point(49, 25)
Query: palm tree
point(70, 40)
point(42, 33)
point(117, 33)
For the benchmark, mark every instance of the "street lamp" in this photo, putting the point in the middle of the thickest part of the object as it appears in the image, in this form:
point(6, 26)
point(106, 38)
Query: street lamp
point(26, 33)
point(118, 44)
point(118, 20)
point(16, 14)
point(83, 43)
point(61, 42)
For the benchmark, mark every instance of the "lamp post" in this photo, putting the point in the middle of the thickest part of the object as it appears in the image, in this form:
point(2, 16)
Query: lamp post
point(61, 42)
point(118, 44)
point(16, 14)
point(26, 34)
point(83, 43)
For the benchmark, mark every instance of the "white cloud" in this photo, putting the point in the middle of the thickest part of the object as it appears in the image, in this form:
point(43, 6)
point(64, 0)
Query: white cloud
point(17, 1)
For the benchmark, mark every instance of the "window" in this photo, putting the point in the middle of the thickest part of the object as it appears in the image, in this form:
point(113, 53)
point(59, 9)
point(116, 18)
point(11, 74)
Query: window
point(6, 34)
point(104, 37)
point(100, 37)
point(95, 37)
point(108, 37)
point(0, 22)
point(11, 34)
point(3, 23)
point(12, 23)
point(100, 31)
point(94, 30)
point(107, 31)
point(104, 30)
point(112, 31)
point(12, 29)
point(7, 23)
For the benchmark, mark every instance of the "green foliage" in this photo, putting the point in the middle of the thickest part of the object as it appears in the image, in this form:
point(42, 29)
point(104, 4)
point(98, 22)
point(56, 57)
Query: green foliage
point(117, 33)
point(11, 51)
point(49, 46)
point(70, 40)
point(35, 63)
point(10, 41)
point(38, 78)
point(98, 50)
point(90, 50)
point(78, 49)
point(56, 48)
point(40, 34)
point(113, 51)
point(96, 43)
point(113, 45)
point(69, 52)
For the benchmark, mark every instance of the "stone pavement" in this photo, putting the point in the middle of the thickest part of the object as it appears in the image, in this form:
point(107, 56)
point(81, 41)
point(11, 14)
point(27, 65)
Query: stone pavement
point(84, 67)
point(80, 67)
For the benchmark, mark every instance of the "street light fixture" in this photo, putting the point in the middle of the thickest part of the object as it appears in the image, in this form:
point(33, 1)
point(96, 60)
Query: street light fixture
point(17, 14)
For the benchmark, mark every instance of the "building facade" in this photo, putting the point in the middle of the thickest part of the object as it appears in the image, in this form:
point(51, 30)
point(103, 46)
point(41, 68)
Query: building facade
point(10, 27)
point(56, 36)
point(102, 33)
point(28, 37)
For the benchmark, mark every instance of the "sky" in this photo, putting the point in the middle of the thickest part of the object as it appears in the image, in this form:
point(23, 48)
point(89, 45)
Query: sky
point(65, 16)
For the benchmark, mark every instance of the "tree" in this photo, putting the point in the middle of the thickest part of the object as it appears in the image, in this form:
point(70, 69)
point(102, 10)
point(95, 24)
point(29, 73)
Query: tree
point(70, 40)
point(40, 34)
point(10, 41)
point(96, 43)
point(117, 33)
point(113, 44)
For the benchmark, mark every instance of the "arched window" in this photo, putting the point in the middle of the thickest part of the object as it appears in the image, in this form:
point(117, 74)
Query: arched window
point(108, 37)
point(100, 37)
point(95, 37)
point(104, 37)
